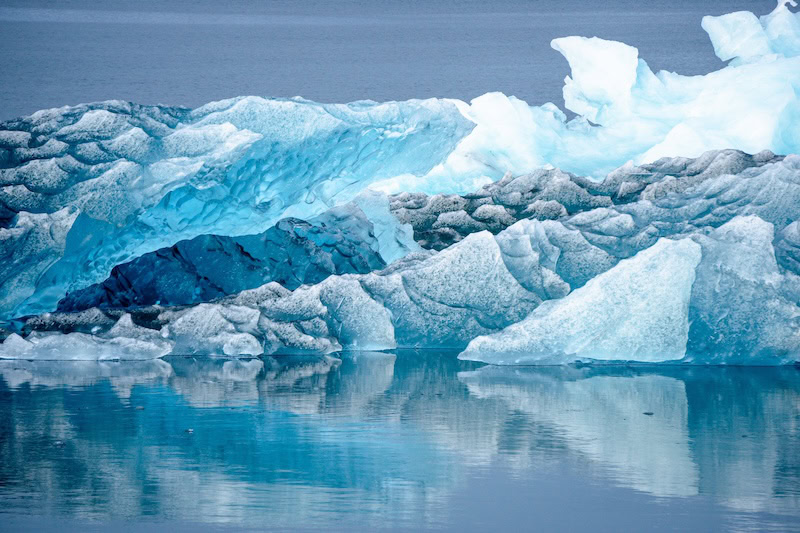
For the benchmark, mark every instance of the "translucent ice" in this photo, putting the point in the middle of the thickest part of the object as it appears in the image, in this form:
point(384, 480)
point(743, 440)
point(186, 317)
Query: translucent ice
point(136, 178)
point(293, 252)
point(86, 188)
point(638, 310)
point(587, 258)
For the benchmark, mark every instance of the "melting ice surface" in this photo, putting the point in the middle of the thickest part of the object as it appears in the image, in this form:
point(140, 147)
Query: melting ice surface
point(405, 441)
point(539, 269)
point(157, 230)
point(88, 187)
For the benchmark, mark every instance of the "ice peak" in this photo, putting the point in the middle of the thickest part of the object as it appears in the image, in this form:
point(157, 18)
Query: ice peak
point(782, 5)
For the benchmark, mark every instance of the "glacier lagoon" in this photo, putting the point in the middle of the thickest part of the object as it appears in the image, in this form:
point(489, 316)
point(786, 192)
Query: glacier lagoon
point(395, 441)
point(274, 313)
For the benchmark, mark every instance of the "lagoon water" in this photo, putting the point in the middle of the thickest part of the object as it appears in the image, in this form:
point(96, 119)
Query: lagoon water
point(403, 441)
point(189, 52)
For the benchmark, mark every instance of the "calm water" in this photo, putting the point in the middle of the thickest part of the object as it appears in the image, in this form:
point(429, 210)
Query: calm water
point(191, 52)
point(405, 441)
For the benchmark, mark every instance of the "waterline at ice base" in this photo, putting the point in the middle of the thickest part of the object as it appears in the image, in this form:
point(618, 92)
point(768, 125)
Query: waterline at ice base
point(659, 225)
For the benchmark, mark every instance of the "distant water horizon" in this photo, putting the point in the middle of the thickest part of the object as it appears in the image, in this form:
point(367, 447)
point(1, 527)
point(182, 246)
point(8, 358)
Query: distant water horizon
point(190, 53)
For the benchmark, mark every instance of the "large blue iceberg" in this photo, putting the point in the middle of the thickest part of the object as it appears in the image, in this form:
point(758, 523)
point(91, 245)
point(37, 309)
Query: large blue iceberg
point(658, 225)
point(699, 266)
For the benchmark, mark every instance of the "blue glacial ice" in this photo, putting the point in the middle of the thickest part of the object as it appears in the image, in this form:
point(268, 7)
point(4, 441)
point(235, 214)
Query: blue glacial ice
point(659, 225)
point(89, 187)
point(294, 252)
point(698, 265)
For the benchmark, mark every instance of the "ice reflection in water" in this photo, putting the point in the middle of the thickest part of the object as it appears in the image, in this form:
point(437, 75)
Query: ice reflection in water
point(396, 440)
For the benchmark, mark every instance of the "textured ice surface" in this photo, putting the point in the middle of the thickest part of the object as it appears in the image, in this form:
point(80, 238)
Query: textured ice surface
point(744, 308)
point(638, 310)
point(293, 252)
point(125, 179)
point(123, 341)
point(440, 300)
point(601, 263)
point(86, 188)
point(736, 306)
point(551, 194)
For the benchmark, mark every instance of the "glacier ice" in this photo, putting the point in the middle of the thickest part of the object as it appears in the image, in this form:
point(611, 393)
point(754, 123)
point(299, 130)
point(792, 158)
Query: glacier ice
point(293, 252)
point(723, 209)
point(89, 187)
point(728, 302)
point(642, 229)
point(639, 310)
point(123, 341)
point(138, 178)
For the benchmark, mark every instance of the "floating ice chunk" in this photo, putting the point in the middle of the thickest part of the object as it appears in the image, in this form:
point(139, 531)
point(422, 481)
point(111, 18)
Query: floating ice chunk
point(737, 35)
point(146, 177)
point(638, 310)
point(603, 74)
point(124, 341)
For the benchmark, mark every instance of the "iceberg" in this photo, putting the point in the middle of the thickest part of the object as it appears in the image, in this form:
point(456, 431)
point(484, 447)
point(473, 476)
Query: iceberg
point(86, 188)
point(630, 268)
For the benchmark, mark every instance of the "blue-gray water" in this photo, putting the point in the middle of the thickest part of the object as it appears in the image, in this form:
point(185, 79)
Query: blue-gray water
point(191, 52)
point(406, 441)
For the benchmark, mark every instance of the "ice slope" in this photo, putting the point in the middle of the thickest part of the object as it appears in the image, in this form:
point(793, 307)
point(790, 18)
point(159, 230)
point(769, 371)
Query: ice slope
point(638, 310)
point(724, 300)
point(85, 188)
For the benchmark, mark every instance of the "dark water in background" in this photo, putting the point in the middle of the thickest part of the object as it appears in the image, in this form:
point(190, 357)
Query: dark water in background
point(407, 442)
point(189, 53)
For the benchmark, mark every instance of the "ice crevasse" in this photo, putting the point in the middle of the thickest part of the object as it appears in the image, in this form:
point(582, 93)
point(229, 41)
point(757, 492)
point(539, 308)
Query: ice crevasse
point(86, 188)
